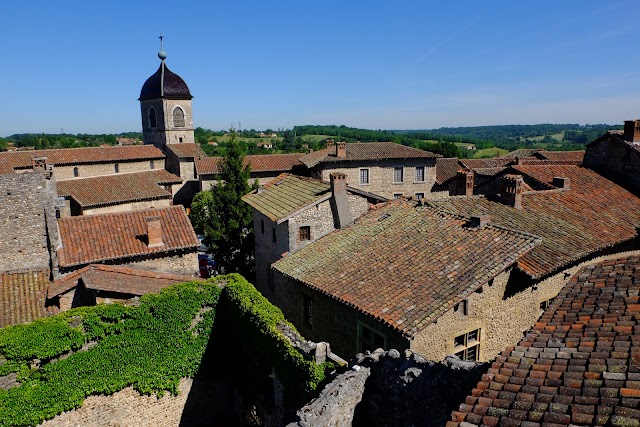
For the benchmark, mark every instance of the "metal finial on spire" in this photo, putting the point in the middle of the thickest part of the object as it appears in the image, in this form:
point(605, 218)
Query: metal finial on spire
point(162, 54)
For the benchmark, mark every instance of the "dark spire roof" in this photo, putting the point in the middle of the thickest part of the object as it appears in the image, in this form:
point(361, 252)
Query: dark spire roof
point(174, 86)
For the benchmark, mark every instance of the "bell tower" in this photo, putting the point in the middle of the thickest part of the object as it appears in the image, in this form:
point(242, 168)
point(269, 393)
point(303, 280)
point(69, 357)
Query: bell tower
point(165, 107)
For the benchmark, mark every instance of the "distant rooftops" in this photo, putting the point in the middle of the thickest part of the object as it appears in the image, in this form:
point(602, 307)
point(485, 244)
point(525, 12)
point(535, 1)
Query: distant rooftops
point(360, 151)
point(405, 265)
point(10, 161)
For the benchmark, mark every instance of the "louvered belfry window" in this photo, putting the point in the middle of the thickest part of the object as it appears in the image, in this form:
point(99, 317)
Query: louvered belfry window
point(178, 117)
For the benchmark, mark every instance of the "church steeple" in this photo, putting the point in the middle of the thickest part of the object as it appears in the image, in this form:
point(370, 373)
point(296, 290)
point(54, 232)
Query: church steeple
point(165, 103)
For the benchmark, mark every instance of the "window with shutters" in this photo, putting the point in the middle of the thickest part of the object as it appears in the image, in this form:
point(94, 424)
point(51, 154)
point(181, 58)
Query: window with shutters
point(305, 233)
point(467, 346)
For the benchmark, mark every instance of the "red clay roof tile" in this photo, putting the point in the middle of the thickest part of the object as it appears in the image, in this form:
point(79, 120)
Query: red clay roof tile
point(22, 297)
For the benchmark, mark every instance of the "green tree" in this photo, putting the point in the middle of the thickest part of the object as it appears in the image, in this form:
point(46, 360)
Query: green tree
point(225, 219)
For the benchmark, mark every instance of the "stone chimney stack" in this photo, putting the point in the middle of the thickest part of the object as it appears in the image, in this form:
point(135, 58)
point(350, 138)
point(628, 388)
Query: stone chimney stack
point(40, 165)
point(329, 143)
point(341, 149)
point(339, 202)
point(464, 182)
point(562, 182)
point(154, 231)
point(511, 190)
point(632, 130)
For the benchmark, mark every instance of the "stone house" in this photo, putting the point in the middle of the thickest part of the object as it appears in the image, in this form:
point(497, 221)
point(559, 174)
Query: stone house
point(384, 168)
point(160, 239)
point(616, 154)
point(578, 365)
point(573, 214)
point(73, 163)
point(104, 284)
point(180, 161)
point(118, 193)
point(263, 168)
point(290, 212)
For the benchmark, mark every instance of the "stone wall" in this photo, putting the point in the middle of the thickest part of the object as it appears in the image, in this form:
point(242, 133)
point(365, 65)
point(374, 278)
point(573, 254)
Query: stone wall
point(165, 133)
point(381, 176)
point(125, 207)
point(332, 321)
point(62, 173)
point(266, 251)
point(27, 222)
point(616, 160)
point(184, 263)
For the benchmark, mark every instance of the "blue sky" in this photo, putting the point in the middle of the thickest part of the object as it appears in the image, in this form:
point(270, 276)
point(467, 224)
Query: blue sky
point(79, 65)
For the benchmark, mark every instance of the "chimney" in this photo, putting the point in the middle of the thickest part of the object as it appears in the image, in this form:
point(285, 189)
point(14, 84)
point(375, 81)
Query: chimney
point(511, 190)
point(329, 143)
point(518, 161)
point(464, 183)
point(154, 231)
point(562, 182)
point(479, 221)
point(632, 130)
point(341, 149)
point(339, 202)
point(39, 164)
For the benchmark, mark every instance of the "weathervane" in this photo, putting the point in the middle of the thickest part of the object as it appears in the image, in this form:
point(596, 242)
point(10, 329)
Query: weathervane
point(161, 37)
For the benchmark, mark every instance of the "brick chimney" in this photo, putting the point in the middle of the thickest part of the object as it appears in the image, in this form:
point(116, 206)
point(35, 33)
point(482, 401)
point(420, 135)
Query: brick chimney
point(632, 130)
point(329, 143)
point(464, 182)
point(511, 190)
point(341, 149)
point(562, 182)
point(339, 203)
point(154, 231)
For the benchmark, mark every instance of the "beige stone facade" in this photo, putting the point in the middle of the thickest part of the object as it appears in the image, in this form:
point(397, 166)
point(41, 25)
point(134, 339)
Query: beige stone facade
point(165, 132)
point(183, 263)
point(381, 176)
point(61, 173)
point(147, 204)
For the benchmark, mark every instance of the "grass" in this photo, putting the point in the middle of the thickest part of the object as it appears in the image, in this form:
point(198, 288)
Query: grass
point(489, 152)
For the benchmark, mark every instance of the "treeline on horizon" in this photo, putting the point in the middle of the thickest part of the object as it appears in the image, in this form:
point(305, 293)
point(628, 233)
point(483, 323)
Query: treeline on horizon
point(441, 141)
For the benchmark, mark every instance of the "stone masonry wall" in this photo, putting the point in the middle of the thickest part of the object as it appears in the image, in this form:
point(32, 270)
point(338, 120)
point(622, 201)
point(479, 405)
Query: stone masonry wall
point(27, 222)
point(267, 252)
point(186, 264)
point(381, 176)
point(502, 319)
point(62, 173)
point(125, 207)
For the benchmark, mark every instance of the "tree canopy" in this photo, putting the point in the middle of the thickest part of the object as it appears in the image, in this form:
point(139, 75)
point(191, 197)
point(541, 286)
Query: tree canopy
point(224, 218)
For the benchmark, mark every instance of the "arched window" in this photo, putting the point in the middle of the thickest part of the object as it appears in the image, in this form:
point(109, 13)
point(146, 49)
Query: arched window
point(152, 118)
point(178, 117)
point(76, 172)
point(152, 165)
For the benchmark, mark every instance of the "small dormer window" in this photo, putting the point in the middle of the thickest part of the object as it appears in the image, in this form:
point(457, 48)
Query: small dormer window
point(153, 122)
point(178, 117)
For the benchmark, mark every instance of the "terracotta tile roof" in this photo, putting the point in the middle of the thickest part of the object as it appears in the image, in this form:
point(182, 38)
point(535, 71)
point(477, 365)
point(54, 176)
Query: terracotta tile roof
point(119, 188)
point(259, 163)
point(95, 238)
point(486, 163)
point(594, 214)
point(75, 156)
point(286, 195)
point(405, 265)
point(22, 297)
point(446, 169)
point(114, 278)
point(534, 161)
point(186, 150)
point(579, 365)
point(366, 151)
point(574, 156)
point(522, 152)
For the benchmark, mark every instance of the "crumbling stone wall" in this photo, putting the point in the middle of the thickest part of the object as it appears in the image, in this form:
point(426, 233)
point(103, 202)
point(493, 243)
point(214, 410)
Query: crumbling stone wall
point(185, 263)
point(27, 222)
point(390, 388)
point(381, 176)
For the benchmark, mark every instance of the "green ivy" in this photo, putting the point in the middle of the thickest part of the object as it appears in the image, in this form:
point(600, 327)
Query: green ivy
point(149, 347)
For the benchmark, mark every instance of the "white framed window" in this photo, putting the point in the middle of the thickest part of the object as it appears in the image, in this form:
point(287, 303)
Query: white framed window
point(467, 346)
point(398, 174)
point(419, 173)
point(369, 339)
point(419, 196)
point(364, 176)
point(178, 117)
